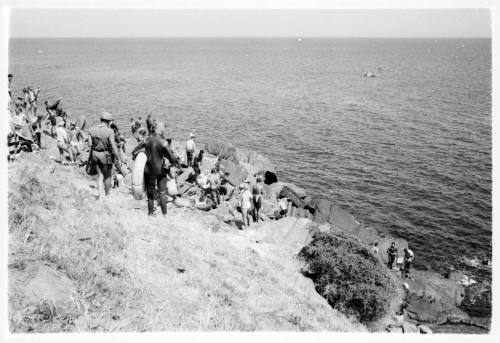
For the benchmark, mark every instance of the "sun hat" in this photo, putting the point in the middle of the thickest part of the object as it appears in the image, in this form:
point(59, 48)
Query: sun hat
point(106, 116)
point(72, 123)
point(191, 135)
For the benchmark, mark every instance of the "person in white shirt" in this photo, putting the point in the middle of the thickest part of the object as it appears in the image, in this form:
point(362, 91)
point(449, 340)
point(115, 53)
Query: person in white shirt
point(63, 142)
point(246, 199)
point(190, 148)
point(408, 258)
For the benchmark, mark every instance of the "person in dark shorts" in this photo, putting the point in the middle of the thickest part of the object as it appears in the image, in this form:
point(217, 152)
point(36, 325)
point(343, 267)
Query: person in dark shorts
point(392, 253)
point(103, 153)
point(155, 173)
point(258, 194)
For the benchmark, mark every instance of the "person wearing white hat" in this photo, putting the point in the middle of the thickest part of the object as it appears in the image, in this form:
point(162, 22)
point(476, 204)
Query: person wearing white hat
point(190, 148)
point(103, 153)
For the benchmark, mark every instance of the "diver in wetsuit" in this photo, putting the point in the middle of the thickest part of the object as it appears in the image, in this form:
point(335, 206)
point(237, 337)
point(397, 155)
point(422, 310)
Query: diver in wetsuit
point(155, 174)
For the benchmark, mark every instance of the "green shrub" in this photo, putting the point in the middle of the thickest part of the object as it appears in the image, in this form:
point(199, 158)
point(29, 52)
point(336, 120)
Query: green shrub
point(348, 275)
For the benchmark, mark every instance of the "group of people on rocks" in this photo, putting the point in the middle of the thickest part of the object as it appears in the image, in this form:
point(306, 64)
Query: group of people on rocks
point(392, 255)
point(108, 160)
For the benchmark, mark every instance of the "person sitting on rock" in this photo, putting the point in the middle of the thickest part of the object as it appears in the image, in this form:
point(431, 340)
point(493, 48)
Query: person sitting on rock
point(245, 203)
point(283, 203)
point(408, 258)
point(391, 255)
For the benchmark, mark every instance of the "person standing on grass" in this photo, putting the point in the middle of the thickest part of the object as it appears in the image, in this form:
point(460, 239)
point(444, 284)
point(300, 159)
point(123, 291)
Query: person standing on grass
point(392, 253)
point(190, 148)
point(63, 143)
point(155, 173)
point(103, 153)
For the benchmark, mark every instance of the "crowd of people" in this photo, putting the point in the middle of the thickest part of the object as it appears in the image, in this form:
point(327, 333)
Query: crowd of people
point(107, 159)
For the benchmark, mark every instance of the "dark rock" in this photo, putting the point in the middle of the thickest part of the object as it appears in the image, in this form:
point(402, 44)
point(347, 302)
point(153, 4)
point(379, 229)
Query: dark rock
point(289, 193)
point(434, 299)
point(270, 177)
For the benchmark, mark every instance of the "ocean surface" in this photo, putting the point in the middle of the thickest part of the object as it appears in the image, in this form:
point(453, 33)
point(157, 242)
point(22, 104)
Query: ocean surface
point(408, 153)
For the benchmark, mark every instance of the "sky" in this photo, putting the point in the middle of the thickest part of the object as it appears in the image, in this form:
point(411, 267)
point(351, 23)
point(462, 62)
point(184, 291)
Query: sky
point(249, 23)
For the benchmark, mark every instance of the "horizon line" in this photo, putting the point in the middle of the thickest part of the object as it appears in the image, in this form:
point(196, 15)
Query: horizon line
point(262, 37)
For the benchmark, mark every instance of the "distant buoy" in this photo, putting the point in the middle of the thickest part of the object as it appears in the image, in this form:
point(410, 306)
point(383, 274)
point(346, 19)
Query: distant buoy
point(299, 40)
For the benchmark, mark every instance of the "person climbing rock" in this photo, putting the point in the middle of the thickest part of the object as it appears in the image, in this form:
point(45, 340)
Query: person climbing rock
point(391, 255)
point(103, 153)
point(214, 182)
point(155, 173)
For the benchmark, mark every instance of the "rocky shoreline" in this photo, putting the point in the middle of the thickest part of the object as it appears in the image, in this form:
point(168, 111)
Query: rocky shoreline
point(430, 299)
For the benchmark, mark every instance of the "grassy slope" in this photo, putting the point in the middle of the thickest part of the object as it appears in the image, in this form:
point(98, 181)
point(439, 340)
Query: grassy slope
point(187, 271)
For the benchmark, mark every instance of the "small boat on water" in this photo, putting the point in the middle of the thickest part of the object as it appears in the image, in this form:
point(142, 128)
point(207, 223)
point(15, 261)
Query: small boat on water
point(299, 40)
point(371, 74)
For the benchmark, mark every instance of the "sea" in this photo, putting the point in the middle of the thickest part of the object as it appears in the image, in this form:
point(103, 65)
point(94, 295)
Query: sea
point(408, 153)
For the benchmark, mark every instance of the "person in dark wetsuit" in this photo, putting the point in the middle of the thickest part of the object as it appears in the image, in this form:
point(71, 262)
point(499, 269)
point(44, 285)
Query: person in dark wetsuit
point(391, 255)
point(155, 174)
point(149, 124)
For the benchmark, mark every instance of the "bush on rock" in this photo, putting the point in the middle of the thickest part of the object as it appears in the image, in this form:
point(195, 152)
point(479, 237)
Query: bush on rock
point(348, 276)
